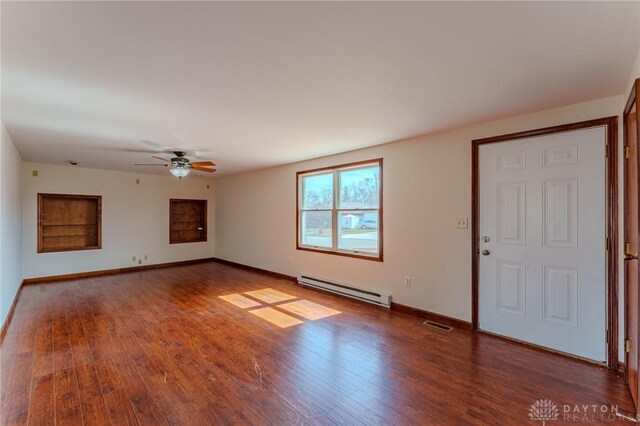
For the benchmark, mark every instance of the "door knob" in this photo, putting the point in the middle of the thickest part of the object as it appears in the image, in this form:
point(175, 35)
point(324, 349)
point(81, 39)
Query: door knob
point(486, 252)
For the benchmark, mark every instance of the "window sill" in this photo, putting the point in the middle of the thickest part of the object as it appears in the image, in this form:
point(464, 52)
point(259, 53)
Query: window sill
point(376, 258)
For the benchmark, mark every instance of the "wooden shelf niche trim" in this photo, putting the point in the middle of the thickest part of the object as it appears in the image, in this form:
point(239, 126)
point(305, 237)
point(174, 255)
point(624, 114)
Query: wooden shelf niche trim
point(187, 221)
point(69, 222)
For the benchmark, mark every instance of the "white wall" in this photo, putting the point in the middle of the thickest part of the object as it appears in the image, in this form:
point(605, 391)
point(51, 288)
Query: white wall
point(135, 218)
point(427, 184)
point(10, 223)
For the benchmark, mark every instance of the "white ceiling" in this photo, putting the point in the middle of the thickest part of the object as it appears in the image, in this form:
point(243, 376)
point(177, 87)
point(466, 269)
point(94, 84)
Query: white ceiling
point(251, 85)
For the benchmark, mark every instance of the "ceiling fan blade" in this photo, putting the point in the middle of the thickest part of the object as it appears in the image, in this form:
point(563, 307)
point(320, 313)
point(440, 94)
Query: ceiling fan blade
point(203, 169)
point(159, 158)
point(202, 163)
point(163, 165)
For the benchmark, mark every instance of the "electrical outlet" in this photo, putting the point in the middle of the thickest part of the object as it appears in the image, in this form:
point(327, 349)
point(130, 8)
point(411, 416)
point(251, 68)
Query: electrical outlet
point(137, 181)
point(407, 281)
point(146, 257)
point(134, 258)
point(462, 223)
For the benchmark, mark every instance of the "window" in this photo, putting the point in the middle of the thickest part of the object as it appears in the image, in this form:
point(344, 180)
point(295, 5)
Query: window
point(188, 221)
point(69, 222)
point(340, 210)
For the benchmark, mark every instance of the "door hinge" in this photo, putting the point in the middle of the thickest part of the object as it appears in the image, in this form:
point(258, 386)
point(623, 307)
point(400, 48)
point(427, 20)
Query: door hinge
point(627, 151)
point(606, 151)
point(627, 345)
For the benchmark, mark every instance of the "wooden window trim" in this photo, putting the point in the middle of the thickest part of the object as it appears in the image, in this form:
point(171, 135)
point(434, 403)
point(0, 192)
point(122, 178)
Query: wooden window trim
point(41, 246)
point(204, 203)
point(379, 257)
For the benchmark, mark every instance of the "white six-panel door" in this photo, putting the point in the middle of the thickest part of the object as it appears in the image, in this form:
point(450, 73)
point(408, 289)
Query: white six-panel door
point(542, 276)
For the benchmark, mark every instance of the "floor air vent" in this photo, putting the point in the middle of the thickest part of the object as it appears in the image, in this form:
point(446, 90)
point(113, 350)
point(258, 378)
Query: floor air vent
point(437, 325)
point(370, 296)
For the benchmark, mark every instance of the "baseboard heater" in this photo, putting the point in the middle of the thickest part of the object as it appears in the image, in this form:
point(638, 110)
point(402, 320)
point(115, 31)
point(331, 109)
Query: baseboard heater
point(370, 296)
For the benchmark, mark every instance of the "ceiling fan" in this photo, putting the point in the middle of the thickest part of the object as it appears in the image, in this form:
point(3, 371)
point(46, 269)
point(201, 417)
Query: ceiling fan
point(181, 166)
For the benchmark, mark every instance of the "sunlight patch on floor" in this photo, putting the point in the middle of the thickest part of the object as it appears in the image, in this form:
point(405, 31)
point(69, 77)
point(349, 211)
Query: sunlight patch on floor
point(240, 301)
point(277, 318)
point(308, 310)
point(269, 295)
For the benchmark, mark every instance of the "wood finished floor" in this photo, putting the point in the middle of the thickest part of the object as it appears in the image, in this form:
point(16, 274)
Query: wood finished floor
point(159, 347)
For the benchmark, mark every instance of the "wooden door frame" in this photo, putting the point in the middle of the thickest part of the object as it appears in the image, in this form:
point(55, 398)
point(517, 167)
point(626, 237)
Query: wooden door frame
point(635, 90)
point(611, 177)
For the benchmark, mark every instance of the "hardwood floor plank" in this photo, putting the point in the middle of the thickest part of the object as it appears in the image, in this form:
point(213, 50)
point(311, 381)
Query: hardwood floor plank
point(116, 399)
point(42, 403)
point(68, 409)
point(17, 365)
point(92, 401)
point(161, 347)
point(340, 416)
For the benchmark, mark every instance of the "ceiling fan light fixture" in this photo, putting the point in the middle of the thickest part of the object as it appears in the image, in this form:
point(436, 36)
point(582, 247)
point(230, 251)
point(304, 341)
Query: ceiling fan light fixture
point(179, 172)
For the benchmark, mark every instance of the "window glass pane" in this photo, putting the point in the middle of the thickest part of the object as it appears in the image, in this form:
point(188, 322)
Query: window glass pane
point(360, 188)
point(318, 191)
point(358, 231)
point(316, 229)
